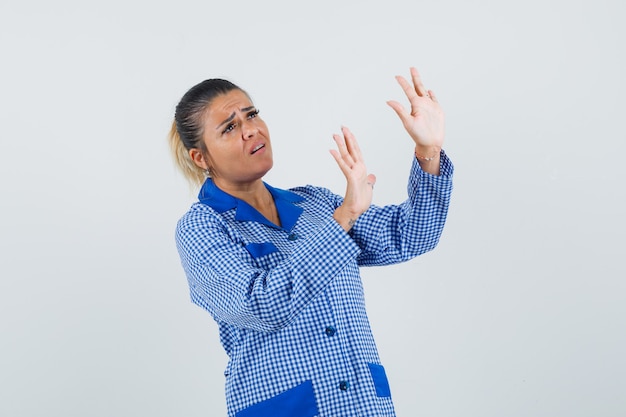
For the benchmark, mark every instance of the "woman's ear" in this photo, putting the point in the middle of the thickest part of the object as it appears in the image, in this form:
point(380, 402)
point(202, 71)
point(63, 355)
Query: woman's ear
point(198, 158)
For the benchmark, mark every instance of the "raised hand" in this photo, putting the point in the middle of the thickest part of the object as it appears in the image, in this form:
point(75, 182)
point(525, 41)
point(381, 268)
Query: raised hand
point(360, 184)
point(426, 122)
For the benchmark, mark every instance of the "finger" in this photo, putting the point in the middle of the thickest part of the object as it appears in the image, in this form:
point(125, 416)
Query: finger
point(417, 82)
point(342, 165)
point(399, 109)
point(432, 96)
point(371, 179)
point(343, 150)
point(351, 144)
point(411, 93)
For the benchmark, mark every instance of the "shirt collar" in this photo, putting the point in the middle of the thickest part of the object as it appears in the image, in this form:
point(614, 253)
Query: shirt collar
point(221, 201)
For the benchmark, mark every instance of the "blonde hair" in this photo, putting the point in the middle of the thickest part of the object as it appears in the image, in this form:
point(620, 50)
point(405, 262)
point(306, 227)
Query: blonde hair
point(192, 172)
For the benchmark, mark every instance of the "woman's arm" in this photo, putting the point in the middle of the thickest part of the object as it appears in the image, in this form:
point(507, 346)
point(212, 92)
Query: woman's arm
point(425, 124)
point(397, 233)
point(224, 280)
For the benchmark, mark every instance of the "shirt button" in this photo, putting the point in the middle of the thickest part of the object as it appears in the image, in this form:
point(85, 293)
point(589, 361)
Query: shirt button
point(292, 236)
point(330, 331)
point(344, 385)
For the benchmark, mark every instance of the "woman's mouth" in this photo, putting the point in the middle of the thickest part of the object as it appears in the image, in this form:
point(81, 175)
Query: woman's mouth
point(257, 147)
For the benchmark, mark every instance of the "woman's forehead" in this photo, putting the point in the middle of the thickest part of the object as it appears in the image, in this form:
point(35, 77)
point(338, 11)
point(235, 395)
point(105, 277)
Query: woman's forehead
point(232, 101)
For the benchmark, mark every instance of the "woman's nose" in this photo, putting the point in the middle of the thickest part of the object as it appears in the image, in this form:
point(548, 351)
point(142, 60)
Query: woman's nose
point(248, 130)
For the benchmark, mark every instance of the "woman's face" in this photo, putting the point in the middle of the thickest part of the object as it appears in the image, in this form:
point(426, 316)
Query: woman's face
point(237, 141)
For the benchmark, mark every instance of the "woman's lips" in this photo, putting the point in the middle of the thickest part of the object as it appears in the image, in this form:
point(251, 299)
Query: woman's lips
point(257, 148)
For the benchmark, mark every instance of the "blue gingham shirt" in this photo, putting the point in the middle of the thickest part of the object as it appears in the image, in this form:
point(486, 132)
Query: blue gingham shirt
point(289, 300)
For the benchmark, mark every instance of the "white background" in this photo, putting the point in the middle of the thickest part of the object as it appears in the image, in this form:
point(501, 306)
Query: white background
point(520, 311)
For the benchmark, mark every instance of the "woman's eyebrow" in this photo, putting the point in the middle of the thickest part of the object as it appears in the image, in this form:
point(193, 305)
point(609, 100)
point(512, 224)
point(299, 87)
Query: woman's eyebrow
point(232, 116)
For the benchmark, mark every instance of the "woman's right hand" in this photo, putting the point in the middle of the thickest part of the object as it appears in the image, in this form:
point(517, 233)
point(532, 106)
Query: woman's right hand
point(360, 184)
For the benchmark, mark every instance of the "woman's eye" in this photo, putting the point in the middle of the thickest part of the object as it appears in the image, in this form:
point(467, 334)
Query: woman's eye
point(229, 128)
point(253, 114)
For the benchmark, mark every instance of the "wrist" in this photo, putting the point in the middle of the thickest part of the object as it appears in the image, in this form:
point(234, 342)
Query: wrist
point(427, 153)
point(345, 218)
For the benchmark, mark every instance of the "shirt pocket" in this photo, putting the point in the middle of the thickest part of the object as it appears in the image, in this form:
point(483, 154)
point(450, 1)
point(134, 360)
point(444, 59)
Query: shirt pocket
point(298, 401)
point(258, 250)
point(379, 377)
point(265, 255)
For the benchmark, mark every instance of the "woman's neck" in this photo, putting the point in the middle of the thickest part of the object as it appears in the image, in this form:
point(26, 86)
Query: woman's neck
point(255, 194)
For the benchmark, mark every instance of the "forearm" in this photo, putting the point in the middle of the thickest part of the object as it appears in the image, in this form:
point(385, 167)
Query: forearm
point(345, 217)
point(234, 290)
point(396, 233)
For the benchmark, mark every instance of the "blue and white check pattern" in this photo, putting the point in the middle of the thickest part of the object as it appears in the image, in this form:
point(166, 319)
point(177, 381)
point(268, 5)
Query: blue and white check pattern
point(289, 300)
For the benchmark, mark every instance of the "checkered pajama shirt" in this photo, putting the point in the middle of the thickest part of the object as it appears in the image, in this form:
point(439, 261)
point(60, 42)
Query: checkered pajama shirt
point(289, 300)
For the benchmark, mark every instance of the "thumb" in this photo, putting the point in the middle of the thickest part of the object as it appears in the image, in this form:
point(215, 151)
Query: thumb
point(397, 107)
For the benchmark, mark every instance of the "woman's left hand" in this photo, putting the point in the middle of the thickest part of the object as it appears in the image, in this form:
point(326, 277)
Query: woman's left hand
point(359, 183)
point(425, 123)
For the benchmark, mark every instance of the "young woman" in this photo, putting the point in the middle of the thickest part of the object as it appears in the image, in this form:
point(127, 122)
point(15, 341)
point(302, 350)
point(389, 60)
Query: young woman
point(279, 269)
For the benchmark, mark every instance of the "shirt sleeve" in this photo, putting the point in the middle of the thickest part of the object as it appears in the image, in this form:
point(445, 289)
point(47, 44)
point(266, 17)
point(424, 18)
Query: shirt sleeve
point(224, 281)
point(397, 233)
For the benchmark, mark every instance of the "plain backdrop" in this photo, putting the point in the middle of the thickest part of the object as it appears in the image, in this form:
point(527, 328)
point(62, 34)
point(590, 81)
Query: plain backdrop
point(520, 310)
